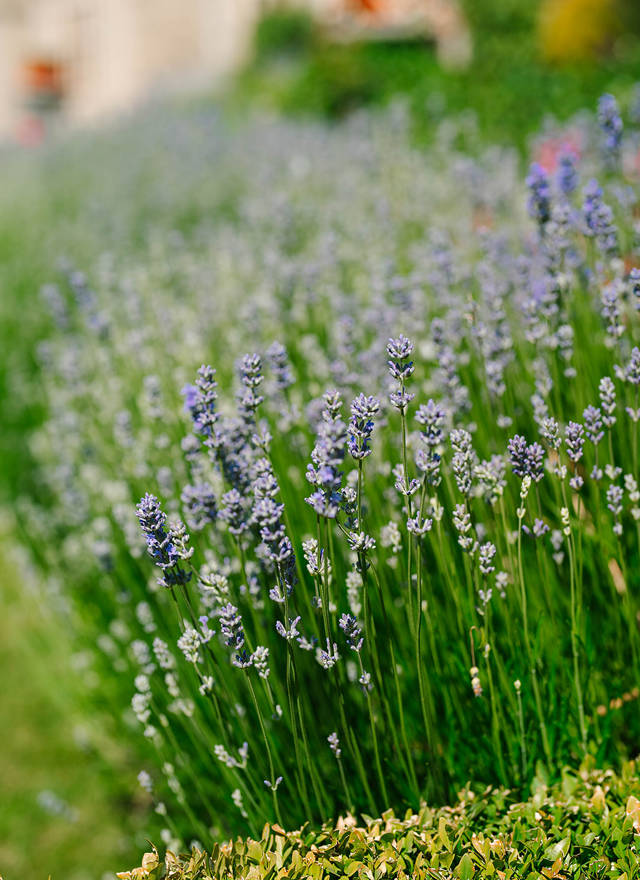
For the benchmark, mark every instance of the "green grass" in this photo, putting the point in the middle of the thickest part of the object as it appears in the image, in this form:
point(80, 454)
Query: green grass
point(50, 745)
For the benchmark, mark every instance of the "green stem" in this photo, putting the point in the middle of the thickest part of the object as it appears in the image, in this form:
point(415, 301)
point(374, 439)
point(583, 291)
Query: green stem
point(574, 646)
point(530, 657)
point(265, 738)
point(523, 744)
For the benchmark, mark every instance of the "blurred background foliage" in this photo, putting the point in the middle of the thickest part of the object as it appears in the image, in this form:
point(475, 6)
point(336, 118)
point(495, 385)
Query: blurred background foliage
point(67, 803)
point(530, 60)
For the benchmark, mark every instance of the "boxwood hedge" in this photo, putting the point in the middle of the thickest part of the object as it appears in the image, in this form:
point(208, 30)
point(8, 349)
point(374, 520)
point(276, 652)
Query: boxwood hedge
point(587, 825)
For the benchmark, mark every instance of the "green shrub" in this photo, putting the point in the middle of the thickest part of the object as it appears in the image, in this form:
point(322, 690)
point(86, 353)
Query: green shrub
point(506, 19)
point(508, 84)
point(335, 81)
point(283, 32)
point(587, 826)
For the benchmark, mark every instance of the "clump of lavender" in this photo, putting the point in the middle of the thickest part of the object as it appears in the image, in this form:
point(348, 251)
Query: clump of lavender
point(593, 424)
point(352, 632)
point(233, 512)
point(539, 203)
point(401, 368)
point(327, 456)
point(574, 439)
point(567, 174)
point(200, 505)
point(432, 418)
point(200, 401)
point(608, 401)
point(190, 643)
point(167, 547)
point(612, 309)
point(610, 123)
point(463, 461)
point(486, 554)
point(550, 431)
point(232, 632)
point(634, 284)
point(614, 503)
point(329, 635)
point(631, 371)
point(462, 523)
point(491, 475)
point(280, 365)
point(251, 378)
point(363, 410)
point(526, 459)
point(598, 219)
point(267, 515)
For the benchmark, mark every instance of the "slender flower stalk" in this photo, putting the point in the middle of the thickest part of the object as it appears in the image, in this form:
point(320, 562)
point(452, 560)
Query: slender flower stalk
point(532, 660)
point(523, 742)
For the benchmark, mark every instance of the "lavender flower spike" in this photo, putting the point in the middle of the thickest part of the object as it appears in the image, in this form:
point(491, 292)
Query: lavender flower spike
point(352, 631)
point(165, 548)
point(610, 122)
point(539, 203)
point(574, 439)
point(363, 409)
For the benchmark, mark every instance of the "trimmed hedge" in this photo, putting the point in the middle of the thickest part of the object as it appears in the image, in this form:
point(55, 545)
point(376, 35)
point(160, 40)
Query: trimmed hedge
point(586, 826)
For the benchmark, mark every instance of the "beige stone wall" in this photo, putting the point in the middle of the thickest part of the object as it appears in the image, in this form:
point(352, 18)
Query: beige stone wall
point(9, 66)
point(118, 52)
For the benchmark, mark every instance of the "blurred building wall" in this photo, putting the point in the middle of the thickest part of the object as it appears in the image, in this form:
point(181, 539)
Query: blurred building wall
point(114, 53)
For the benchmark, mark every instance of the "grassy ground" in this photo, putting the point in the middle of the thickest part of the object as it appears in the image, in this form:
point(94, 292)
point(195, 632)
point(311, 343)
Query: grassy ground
point(63, 811)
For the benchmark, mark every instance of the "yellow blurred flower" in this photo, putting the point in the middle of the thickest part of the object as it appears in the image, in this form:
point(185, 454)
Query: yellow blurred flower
point(576, 30)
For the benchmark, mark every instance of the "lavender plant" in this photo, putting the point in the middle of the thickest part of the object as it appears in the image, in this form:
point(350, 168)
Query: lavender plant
point(393, 546)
